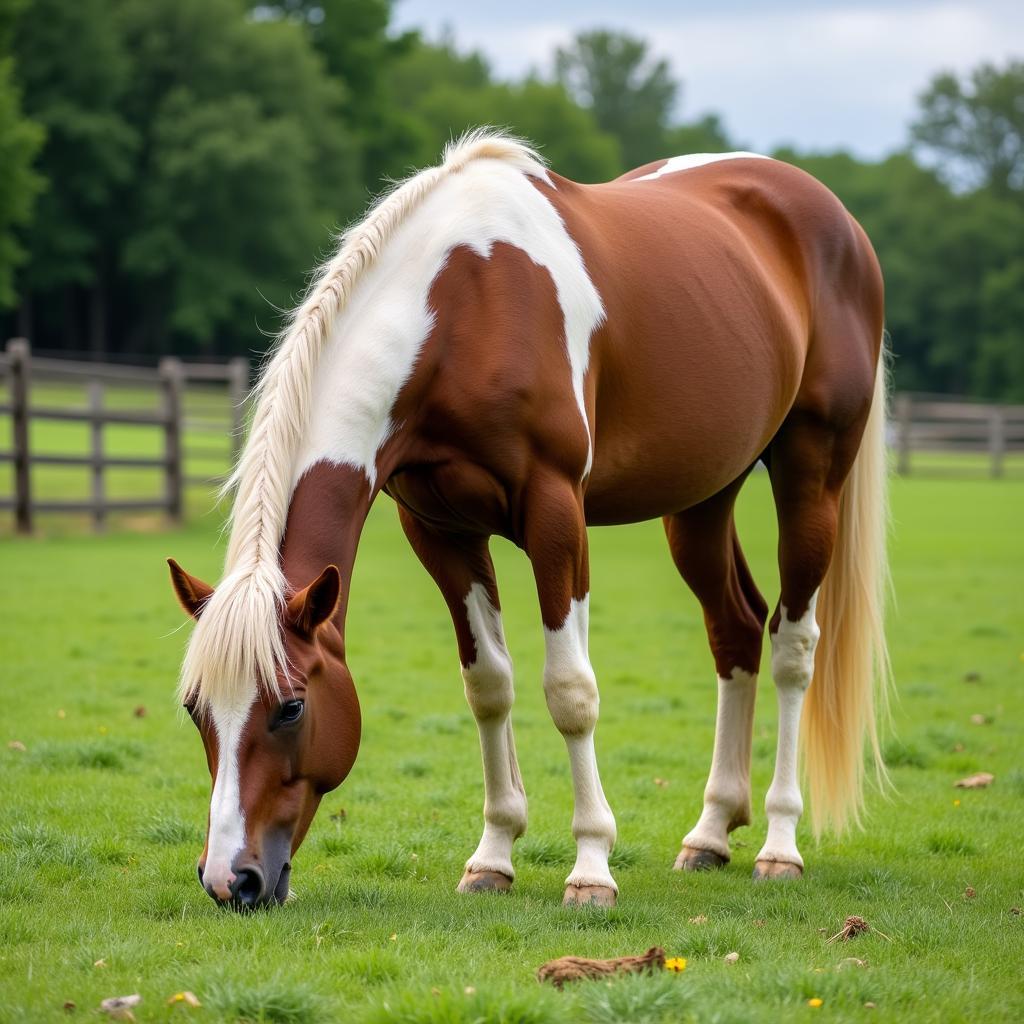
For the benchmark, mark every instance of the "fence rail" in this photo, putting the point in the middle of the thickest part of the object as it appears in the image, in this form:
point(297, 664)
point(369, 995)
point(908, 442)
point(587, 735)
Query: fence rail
point(168, 383)
point(928, 423)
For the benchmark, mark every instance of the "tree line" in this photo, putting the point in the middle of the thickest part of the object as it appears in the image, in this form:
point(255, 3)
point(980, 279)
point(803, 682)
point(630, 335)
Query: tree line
point(171, 169)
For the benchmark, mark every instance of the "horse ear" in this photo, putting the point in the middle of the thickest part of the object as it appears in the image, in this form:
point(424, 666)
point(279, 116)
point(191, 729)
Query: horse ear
point(192, 592)
point(313, 606)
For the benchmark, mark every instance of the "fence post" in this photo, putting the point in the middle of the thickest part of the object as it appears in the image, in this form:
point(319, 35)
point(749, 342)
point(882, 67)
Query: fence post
point(96, 432)
point(173, 381)
point(21, 359)
point(997, 439)
point(238, 390)
point(902, 408)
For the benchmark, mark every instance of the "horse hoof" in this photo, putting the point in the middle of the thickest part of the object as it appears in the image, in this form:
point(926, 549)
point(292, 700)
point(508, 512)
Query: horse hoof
point(485, 881)
point(690, 859)
point(776, 869)
point(588, 896)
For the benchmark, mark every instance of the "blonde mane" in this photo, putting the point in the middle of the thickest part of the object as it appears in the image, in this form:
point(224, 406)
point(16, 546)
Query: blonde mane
point(237, 644)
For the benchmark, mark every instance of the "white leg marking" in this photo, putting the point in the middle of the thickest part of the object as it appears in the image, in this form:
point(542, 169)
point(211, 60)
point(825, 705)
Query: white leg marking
point(792, 668)
point(489, 693)
point(727, 794)
point(571, 691)
point(226, 835)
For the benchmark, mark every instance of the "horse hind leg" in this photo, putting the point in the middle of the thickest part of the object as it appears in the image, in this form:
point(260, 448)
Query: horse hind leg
point(463, 571)
point(808, 463)
point(707, 553)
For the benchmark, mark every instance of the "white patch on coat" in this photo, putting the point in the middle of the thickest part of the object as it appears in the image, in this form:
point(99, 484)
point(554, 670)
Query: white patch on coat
point(727, 793)
point(793, 647)
point(570, 688)
point(226, 836)
point(376, 339)
point(691, 160)
point(489, 693)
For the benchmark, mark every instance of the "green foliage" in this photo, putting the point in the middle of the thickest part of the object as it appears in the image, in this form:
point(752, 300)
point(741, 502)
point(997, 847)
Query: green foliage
point(20, 139)
point(629, 93)
point(974, 128)
point(194, 158)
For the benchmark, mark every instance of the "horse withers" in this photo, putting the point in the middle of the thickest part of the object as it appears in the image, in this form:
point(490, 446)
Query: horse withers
point(504, 351)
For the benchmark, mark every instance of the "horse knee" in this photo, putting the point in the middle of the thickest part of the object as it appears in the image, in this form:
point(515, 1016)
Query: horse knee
point(572, 700)
point(489, 689)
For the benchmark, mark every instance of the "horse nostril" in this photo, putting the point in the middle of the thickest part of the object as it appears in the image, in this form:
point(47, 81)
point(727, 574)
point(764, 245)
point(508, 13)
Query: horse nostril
point(199, 871)
point(248, 886)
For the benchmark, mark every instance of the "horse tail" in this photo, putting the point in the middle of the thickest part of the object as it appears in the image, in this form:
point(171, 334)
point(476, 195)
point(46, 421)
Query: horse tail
point(852, 676)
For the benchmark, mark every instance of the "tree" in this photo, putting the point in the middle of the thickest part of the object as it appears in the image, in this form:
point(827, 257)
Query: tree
point(445, 92)
point(20, 141)
point(352, 38)
point(973, 130)
point(630, 94)
point(73, 73)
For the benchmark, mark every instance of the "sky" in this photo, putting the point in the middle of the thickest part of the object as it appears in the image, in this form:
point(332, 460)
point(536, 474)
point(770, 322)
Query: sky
point(820, 76)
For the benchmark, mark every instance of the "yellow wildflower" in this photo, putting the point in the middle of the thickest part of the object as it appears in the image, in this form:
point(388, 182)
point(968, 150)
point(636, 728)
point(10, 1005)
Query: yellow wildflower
point(676, 963)
point(815, 1002)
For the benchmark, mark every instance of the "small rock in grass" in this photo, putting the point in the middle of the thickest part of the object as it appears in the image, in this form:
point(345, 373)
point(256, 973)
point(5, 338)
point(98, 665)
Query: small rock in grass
point(979, 780)
point(732, 958)
point(869, 1006)
point(120, 1007)
point(1015, 911)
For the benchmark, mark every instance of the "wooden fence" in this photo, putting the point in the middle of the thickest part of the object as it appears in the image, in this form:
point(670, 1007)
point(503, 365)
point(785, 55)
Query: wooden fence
point(936, 423)
point(168, 383)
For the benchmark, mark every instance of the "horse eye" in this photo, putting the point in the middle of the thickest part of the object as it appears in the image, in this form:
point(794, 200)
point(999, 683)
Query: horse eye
point(290, 711)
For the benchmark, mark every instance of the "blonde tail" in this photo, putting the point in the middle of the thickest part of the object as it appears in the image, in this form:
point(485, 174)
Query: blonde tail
point(852, 676)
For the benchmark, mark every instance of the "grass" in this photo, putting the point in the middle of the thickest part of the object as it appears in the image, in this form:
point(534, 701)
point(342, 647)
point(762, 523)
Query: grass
point(101, 815)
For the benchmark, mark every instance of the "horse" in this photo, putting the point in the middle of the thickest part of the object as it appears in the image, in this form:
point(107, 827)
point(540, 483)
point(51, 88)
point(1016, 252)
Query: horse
point(504, 351)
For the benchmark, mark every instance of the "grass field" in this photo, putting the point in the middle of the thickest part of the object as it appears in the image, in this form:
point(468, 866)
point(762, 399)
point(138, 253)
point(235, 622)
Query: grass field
point(101, 814)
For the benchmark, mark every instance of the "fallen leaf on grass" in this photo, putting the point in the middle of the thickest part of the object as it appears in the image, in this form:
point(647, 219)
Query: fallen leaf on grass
point(61, 713)
point(17, 745)
point(979, 780)
point(120, 1007)
point(100, 963)
point(731, 958)
point(969, 893)
point(576, 968)
point(70, 1006)
point(140, 711)
point(699, 919)
point(661, 782)
point(980, 720)
point(187, 998)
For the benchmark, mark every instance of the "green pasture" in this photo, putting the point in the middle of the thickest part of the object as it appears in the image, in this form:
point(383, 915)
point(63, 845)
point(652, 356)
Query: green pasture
point(102, 812)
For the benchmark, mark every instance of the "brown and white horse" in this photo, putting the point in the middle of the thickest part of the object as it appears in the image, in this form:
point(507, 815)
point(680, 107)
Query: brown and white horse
point(504, 351)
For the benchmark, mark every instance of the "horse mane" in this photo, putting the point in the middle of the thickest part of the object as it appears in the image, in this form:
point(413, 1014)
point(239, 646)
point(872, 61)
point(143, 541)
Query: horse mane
point(237, 646)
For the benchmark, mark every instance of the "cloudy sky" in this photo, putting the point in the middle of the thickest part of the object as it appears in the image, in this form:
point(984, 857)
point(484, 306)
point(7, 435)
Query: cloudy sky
point(818, 74)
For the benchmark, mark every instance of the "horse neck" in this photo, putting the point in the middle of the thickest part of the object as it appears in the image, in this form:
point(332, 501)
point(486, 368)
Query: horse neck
point(325, 519)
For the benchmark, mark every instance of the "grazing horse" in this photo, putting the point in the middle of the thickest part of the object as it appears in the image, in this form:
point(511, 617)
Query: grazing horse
point(504, 351)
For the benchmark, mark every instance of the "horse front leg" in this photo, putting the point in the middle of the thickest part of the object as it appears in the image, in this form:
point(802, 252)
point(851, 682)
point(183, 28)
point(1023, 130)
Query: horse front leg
point(462, 568)
point(556, 542)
